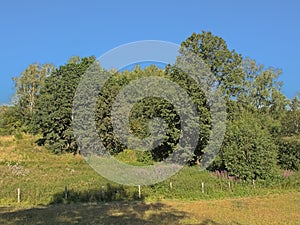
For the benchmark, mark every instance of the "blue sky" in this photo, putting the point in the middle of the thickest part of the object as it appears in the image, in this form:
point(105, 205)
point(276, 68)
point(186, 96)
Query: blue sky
point(52, 31)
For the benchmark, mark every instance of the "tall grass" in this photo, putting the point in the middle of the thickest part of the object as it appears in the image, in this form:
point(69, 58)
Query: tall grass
point(42, 178)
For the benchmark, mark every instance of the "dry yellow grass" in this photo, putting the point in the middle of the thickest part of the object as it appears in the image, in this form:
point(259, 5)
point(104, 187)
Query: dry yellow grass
point(276, 209)
point(11, 149)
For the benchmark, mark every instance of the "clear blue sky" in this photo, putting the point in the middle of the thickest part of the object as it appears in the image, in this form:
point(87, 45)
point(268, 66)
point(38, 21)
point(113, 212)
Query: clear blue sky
point(52, 31)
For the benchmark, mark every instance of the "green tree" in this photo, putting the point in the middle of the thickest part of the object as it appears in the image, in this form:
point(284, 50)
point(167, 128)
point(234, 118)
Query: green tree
point(206, 59)
point(225, 64)
point(141, 114)
point(197, 95)
point(261, 95)
point(289, 142)
point(262, 90)
point(53, 114)
point(9, 120)
point(291, 120)
point(28, 86)
point(289, 153)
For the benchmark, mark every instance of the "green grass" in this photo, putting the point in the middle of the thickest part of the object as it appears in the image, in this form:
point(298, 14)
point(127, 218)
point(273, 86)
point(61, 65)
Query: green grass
point(42, 178)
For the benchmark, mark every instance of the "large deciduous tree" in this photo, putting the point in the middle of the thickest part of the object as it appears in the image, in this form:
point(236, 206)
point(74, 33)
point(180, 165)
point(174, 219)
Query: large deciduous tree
point(53, 114)
point(291, 120)
point(225, 64)
point(28, 86)
point(262, 89)
point(214, 67)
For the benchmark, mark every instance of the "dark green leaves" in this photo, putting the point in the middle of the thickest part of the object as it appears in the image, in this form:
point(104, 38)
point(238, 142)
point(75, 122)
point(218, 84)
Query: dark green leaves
point(53, 114)
point(249, 151)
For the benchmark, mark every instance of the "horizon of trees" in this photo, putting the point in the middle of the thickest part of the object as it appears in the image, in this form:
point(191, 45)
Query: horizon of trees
point(262, 127)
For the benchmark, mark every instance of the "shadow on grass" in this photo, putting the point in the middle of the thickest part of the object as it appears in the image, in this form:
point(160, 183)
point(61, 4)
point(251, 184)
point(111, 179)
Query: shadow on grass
point(113, 213)
point(111, 193)
point(105, 213)
point(92, 208)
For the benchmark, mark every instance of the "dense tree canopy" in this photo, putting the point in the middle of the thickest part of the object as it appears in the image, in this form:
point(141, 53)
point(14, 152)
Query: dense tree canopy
point(53, 114)
point(225, 64)
point(263, 126)
point(149, 108)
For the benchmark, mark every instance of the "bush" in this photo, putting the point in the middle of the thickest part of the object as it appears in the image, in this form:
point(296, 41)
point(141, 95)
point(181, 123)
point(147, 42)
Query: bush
point(9, 120)
point(248, 151)
point(145, 157)
point(289, 153)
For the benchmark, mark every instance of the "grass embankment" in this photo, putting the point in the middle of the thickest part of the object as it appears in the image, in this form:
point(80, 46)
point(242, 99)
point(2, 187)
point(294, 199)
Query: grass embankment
point(42, 178)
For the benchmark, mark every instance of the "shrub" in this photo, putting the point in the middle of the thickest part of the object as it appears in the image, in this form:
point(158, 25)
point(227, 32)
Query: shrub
point(248, 151)
point(289, 153)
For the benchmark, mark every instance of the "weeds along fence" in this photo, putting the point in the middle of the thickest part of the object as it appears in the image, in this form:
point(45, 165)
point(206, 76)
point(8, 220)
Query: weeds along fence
point(185, 186)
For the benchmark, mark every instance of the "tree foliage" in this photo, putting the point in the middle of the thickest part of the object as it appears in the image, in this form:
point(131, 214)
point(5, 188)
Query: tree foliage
point(289, 153)
point(289, 141)
point(291, 119)
point(225, 64)
point(53, 114)
point(261, 121)
point(28, 86)
point(248, 151)
point(10, 121)
point(261, 89)
point(145, 110)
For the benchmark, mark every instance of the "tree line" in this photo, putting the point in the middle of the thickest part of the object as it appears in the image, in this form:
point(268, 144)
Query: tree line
point(262, 127)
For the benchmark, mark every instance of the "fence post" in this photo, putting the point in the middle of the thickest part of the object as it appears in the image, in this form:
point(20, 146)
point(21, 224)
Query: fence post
point(102, 192)
point(171, 185)
point(140, 195)
point(253, 183)
point(66, 192)
point(202, 187)
point(19, 195)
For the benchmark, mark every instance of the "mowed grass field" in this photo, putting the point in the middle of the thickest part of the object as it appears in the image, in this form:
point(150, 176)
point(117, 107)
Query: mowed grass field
point(275, 209)
point(42, 178)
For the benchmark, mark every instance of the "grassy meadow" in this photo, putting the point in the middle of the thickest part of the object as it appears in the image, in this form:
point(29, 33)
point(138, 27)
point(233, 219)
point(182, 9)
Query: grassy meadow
point(42, 178)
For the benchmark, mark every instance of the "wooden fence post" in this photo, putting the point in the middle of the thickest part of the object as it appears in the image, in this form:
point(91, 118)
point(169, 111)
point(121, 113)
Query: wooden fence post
point(19, 195)
point(140, 195)
point(66, 192)
point(102, 192)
